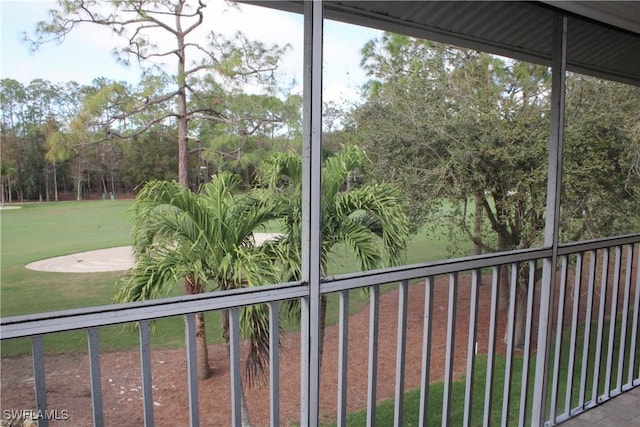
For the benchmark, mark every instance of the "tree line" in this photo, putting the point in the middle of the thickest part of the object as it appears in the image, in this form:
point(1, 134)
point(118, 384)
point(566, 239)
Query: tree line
point(55, 147)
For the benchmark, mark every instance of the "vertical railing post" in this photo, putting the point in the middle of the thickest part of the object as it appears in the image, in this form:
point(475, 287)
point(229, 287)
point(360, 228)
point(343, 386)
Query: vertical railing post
point(472, 343)
point(401, 346)
point(554, 182)
point(426, 351)
point(372, 373)
point(450, 349)
point(311, 194)
point(237, 394)
point(95, 377)
point(145, 374)
point(192, 370)
point(39, 378)
point(343, 359)
point(491, 348)
point(274, 363)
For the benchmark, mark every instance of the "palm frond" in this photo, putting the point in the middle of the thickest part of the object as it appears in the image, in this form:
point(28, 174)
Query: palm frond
point(281, 170)
point(363, 243)
point(254, 321)
point(150, 278)
point(381, 209)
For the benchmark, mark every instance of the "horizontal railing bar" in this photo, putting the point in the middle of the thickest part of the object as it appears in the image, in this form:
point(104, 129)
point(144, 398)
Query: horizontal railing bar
point(588, 245)
point(437, 268)
point(108, 315)
point(113, 314)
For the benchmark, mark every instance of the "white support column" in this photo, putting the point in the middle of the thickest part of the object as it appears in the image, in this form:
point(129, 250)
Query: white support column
point(311, 196)
point(554, 182)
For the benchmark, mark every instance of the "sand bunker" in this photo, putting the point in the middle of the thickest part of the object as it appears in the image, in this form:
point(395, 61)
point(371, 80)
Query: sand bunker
point(111, 259)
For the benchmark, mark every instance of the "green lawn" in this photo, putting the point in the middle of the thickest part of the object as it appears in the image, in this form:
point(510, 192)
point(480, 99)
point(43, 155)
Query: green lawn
point(42, 230)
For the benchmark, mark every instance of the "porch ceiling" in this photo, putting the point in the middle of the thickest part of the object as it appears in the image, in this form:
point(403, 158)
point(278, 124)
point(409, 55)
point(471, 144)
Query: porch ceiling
point(603, 39)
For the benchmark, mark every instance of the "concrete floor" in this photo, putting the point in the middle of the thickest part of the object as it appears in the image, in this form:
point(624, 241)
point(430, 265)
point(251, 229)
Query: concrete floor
point(621, 411)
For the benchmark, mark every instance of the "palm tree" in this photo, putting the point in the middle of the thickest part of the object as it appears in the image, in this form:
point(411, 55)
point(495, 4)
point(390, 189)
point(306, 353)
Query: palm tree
point(7, 174)
point(369, 219)
point(205, 239)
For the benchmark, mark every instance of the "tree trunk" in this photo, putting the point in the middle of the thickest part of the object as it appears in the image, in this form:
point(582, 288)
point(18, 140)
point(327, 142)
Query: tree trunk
point(192, 286)
point(477, 225)
point(520, 321)
point(244, 409)
point(46, 180)
point(503, 281)
point(55, 182)
point(520, 315)
point(504, 297)
point(183, 148)
point(202, 352)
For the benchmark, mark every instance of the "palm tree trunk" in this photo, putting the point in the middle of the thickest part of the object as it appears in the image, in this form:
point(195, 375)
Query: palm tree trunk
point(244, 409)
point(202, 352)
point(192, 286)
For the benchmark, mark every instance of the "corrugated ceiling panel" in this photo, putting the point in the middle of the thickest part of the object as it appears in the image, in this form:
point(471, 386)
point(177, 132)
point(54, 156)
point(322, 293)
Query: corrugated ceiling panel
point(501, 25)
point(592, 49)
point(521, 30)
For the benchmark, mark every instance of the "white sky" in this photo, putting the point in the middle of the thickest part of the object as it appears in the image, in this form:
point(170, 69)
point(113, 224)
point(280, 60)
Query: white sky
point(86, 52)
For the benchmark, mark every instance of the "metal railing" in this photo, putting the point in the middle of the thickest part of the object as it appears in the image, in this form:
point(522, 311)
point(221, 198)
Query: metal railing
point(486, 343)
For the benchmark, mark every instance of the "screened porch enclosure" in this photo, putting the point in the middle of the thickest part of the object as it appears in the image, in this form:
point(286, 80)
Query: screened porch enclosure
point(581, 337)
